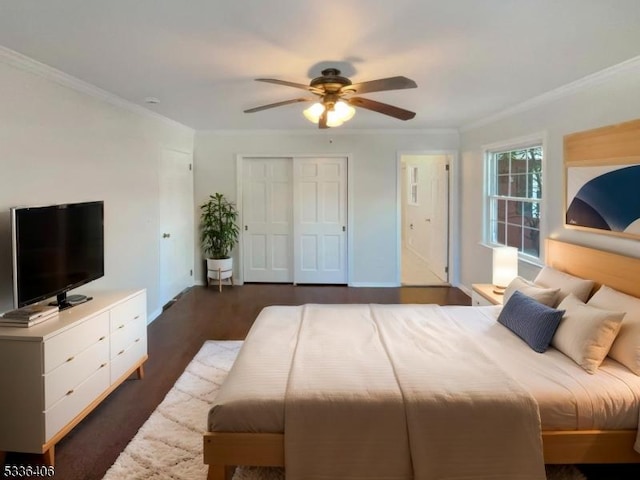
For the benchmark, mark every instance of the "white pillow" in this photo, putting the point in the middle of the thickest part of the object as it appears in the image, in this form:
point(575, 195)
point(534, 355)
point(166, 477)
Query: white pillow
point(546, 296)
point(585, 333)
point(626, 346)
point(551, 278)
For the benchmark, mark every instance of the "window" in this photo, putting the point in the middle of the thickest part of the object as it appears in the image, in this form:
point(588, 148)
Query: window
point(413, 186)
point(514, 198)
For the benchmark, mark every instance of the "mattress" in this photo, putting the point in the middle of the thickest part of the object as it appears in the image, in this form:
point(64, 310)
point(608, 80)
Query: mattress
point(252, 398)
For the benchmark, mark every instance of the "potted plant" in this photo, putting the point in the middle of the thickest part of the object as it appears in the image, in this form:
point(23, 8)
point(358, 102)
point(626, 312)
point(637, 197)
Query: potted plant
point(218, 235)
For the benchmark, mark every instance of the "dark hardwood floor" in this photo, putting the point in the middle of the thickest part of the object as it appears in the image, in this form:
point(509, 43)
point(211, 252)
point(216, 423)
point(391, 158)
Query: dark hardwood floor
point(176, 336)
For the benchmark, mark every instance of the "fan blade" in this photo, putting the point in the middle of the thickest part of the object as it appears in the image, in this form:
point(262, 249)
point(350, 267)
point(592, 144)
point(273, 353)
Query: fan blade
point(279, 104)
point(384, 108)
point(322, 122)
point(283, 82)
point(380, 85)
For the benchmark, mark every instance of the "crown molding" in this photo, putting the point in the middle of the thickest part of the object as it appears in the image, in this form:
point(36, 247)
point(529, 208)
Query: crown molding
point(560, 92)
point(333, 131)
point(27, 64)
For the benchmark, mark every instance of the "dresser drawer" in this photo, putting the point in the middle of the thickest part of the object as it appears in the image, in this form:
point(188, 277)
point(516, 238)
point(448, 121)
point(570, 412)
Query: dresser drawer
point(478, 300)
point(74, 402)
point(132, 310)
point(76, 370)
point(124, 360)
point(122, 338)
point(68, 344)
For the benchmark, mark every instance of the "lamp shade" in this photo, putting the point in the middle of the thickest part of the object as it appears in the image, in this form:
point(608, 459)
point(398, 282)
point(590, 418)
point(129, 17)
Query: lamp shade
point(313, 112)
point(505, 266)
point(344, 111)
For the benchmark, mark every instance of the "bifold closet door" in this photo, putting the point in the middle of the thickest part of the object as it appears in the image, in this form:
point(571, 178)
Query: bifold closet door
point(320, 220)
point(267, 215)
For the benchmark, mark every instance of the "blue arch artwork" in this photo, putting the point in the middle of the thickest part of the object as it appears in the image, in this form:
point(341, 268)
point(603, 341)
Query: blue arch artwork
point(610, 201)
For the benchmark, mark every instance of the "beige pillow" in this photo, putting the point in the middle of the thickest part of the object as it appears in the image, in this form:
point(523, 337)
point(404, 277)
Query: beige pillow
point(626, 346)
point(551, 278)
point(546, 296)
point(585, 333)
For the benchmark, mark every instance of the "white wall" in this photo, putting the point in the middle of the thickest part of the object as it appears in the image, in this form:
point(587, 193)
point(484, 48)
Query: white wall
point(60, 145)
point(374, 156)
point(606, 98)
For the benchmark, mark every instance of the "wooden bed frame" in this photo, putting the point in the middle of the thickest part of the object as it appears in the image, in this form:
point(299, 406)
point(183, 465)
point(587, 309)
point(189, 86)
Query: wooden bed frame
point(224, 450)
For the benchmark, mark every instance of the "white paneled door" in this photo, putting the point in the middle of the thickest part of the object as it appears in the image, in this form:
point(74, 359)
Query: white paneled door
point(267, 218)
point(438, 192)
point(294, 220)
point(320, 220)
point(176, 223)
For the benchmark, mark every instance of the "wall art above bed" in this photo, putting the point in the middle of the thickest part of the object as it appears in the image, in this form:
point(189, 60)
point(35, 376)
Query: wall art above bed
point(602, 179)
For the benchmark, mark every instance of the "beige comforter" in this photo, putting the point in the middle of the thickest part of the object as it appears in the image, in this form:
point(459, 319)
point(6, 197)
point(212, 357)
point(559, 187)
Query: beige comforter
point(386, 392)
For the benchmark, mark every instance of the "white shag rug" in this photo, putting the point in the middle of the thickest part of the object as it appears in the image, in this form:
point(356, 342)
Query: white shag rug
point(169, 445)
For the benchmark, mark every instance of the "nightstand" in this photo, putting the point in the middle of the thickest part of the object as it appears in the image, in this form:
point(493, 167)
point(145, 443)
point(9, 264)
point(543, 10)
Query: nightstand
point(482, 294)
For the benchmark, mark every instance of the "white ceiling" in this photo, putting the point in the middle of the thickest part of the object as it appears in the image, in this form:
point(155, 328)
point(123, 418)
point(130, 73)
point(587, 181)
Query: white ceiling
point(470, 58)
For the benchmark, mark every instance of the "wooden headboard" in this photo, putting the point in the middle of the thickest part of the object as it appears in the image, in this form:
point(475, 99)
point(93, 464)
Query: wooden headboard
point(612, 269)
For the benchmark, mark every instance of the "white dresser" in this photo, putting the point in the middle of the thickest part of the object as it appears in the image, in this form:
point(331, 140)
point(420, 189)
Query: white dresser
point(54, 374)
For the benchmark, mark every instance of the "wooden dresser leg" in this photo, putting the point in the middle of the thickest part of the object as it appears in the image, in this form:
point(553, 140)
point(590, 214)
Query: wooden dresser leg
point(49, 457)
point(217, 472)
point(229, 470)
point(140, 371)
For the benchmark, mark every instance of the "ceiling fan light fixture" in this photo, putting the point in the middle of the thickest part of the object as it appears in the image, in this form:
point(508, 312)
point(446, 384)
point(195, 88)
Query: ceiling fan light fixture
point(340, 113)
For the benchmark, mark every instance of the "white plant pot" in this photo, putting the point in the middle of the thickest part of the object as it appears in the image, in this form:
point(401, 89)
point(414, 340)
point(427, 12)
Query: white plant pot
point(219, 268)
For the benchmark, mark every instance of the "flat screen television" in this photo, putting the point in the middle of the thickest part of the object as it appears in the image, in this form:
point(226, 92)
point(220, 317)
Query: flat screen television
point(56, 248)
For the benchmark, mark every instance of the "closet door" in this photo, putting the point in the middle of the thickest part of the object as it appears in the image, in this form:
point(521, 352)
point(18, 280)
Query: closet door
point(176, 223)
point(267, 213)
point(320, 220)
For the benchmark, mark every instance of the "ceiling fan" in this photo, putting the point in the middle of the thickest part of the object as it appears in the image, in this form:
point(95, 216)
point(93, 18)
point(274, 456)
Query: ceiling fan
point(335, 97)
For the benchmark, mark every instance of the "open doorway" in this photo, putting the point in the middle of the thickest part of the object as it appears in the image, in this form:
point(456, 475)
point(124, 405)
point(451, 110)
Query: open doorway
point(424, 201)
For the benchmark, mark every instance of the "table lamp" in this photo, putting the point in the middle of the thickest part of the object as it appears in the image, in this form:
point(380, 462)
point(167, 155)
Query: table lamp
point(505, 267)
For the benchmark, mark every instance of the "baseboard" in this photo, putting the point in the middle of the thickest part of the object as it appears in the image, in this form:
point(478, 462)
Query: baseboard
point(236, 283)
point(153, 315)
point(374, 285)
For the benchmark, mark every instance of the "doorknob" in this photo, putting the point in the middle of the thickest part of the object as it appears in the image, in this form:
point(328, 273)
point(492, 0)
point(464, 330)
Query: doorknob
point(411, 226)
point(166, 235)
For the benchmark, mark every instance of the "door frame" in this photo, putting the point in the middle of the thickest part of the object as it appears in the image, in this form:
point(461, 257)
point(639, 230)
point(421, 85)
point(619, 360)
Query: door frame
point(454, 230)
point(241, 158)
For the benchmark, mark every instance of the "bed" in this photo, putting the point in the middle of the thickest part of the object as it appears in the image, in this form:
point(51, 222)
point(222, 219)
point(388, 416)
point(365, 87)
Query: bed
point(247, 423)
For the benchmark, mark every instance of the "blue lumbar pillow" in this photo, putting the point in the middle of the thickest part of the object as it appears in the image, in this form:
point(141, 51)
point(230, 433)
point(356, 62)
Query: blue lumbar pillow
point(532, 321)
